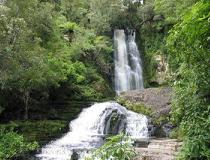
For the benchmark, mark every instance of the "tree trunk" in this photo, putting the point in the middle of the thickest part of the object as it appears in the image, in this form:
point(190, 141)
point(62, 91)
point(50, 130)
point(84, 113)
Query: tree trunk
point(26, 103)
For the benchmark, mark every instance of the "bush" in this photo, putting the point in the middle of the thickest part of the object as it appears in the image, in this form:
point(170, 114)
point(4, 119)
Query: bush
point(13, 144)
point(39, 131)
point(117, 147)
point(188, 44)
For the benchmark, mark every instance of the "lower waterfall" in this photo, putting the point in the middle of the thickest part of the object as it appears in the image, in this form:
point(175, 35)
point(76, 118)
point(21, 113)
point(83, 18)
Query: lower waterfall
point(90, 128)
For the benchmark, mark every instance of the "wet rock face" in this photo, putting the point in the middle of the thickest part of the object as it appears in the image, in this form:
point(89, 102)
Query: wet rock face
point(115, 123)
point(161, 131)
point(162, 70)
point(167, 128)
point(75, 156)
point(152, 130)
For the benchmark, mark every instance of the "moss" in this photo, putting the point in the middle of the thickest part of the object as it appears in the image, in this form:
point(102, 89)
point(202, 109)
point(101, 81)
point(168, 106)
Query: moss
point(161, 119)
point(121, 100)
point(143, 109)
point(39, 131)
point(136, 107)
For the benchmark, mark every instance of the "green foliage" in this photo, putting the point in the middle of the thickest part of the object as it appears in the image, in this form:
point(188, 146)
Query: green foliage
point(136, 107)
point(103, 13)
point(94, 14)
point(69, 26)
point(13, 144)
point(189, 50)
point(44, 45)
point(24, 136)
point(47, 45)
point(173, 10)
point(39, 131)
point(152, 30)
point(176, 134)
point(118, 147)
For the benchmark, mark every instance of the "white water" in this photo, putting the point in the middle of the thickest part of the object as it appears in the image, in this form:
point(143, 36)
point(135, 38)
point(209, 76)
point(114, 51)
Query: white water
point(128, 68)
point(88, 130)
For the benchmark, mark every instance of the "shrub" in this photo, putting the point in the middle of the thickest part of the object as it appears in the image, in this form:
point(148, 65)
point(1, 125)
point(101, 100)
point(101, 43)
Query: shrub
point(117, 147)
point(13, 144)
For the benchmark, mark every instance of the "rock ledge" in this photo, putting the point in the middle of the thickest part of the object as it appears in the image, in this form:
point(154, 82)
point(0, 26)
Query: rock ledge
point(157, 99)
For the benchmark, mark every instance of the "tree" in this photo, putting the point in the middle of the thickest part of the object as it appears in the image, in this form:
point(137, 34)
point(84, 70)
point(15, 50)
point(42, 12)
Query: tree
point(41, 49)
point(173, 10)
point(188, 45)
point(24, 63)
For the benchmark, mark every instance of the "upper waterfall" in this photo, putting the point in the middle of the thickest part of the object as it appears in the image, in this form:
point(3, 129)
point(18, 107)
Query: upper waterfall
point(128, 65)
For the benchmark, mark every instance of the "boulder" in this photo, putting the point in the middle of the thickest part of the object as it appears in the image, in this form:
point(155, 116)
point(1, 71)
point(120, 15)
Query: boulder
point(153, 102)
point(156, 99)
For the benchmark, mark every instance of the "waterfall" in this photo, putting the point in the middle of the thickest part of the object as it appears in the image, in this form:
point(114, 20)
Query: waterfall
point(90, 128)
point(128, 65)
point(93, 124)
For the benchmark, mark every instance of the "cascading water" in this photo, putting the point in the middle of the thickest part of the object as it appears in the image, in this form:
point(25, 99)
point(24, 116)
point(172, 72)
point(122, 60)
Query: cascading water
point(90, 128)
point(128, 68)
point(94, 123)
